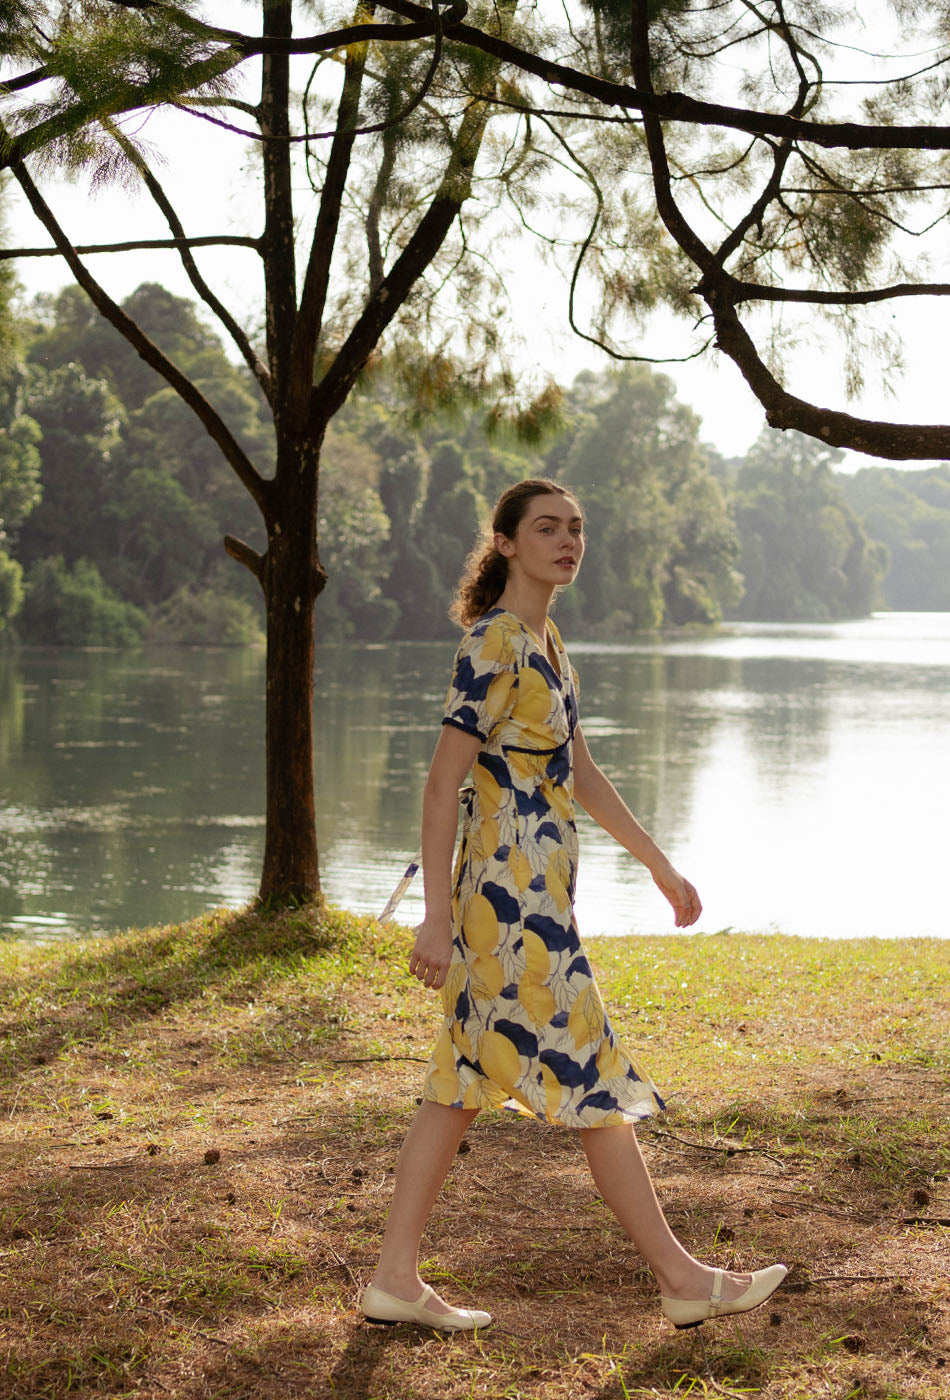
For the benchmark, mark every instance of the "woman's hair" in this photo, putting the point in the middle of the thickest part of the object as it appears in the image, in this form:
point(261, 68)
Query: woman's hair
point(486, 570)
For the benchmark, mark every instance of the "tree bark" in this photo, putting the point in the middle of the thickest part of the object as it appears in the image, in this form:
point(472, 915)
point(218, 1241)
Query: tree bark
point(290, 573)
point(292, 579)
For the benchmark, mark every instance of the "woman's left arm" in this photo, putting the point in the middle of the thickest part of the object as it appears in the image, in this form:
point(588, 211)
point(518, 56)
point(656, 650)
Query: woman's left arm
point(598, 796)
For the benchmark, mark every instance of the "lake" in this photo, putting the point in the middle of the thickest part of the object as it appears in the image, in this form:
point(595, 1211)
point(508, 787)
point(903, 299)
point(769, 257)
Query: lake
point(798, 774)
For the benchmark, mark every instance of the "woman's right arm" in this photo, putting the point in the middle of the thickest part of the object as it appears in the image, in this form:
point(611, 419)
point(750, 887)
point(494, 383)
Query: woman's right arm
point(454, 755)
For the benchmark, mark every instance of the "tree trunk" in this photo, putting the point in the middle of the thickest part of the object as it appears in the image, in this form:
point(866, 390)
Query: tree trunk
point(293, 577)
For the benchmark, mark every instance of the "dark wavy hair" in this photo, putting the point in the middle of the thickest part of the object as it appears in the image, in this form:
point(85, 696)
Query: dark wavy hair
point(486, 570)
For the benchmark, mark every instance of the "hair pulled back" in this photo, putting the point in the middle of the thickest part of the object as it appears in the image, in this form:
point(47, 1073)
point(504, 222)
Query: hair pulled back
point(486, 570)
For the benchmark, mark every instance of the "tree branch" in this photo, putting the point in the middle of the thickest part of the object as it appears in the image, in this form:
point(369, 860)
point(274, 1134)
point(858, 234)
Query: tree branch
point(316, 283)
point(754, 291)
point(377, 198)
point(247, 556)
point(782, 410)
point(136, 245)
point(278, 244)
point(26, 80)
point(66, 123)
point(213, 302)
point(896, 441)
point(781, 154)
point(329, 395)
point(677, 107)
point(149, 352)
point(252, 45)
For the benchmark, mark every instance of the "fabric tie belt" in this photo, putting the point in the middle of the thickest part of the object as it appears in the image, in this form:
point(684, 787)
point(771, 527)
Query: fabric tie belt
point(467, 804)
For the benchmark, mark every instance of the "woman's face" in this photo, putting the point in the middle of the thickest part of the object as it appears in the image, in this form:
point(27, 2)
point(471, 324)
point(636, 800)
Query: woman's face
point(549, 541)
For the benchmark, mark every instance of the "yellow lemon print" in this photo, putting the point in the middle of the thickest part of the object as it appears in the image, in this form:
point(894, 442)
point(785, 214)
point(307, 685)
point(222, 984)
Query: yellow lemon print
point(455, 980)
point(537, 959)
point(553, 1092)
point(487, 840)
point(537, 999)
point(559, 798)
point(499, 1058)
point(610, 1062)
point(489, 793)
point(533, 704)
point(482, 1094)
point(461, 1041)
point(488, 977)
point(499, 693)
point(480, 925)
point(442, 1082)
point(555, 888)
point(527, 765)
point(496, 641)
point(585, 1021)
point(520, 869)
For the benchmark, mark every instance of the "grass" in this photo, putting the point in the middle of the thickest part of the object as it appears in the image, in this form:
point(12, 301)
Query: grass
point(199, 1126)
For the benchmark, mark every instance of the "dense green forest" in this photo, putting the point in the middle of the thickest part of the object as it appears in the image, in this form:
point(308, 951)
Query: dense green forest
point(114, 501)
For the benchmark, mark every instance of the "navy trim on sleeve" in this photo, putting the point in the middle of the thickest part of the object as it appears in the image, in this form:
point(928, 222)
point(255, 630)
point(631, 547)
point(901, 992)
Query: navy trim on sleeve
point(457, 721)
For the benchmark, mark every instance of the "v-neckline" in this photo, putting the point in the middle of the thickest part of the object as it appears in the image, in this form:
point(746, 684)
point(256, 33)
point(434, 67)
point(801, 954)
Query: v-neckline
point(557, 668)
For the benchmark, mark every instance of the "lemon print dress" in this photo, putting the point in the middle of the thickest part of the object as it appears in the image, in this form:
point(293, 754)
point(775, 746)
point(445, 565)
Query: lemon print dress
point(524, 1025)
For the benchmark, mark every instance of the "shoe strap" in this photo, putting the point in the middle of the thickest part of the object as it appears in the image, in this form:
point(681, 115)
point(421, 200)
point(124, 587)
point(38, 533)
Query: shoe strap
point(715, 1297)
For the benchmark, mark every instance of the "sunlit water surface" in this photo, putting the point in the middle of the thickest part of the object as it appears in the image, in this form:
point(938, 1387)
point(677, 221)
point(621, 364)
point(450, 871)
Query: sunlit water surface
point(798, 774)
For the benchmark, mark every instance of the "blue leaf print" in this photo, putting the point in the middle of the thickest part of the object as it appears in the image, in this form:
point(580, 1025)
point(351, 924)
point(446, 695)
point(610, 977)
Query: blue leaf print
point(556, 937)
point(530, 805)
point(524, 1041)
point(549, 830)
point(497, 767)
point(600, 1099)
point(505, 905)
point(472, 686)
point(569, 1071)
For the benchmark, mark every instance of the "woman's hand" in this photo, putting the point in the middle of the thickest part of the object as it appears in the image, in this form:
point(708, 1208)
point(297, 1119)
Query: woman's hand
point(680, 893)
point(432, 952)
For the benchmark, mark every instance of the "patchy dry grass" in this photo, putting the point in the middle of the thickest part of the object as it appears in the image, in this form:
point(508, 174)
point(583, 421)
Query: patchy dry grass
point(199, 1126)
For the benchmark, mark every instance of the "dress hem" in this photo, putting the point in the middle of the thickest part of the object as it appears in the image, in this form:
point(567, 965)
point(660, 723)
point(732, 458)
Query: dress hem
point(615, 1118)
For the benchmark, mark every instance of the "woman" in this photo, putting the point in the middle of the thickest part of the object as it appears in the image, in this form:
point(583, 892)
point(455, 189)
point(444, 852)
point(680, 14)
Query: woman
point(524, 1024)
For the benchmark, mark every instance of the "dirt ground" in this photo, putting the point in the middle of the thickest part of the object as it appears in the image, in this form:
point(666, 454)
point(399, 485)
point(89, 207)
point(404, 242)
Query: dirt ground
point(199, 1131)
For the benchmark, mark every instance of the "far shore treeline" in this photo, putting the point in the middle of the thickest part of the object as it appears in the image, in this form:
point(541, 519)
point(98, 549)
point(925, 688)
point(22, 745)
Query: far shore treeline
point(114, 501)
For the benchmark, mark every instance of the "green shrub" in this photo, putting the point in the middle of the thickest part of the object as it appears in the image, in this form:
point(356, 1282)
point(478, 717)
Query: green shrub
point(205, 618)
point(67, 606)
point(11, 589)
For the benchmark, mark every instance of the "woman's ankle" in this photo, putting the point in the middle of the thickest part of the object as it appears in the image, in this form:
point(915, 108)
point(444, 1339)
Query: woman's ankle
point(402, 1283)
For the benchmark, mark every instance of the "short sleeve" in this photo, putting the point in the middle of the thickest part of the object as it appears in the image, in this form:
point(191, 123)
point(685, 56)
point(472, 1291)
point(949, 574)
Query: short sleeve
point(484, 680)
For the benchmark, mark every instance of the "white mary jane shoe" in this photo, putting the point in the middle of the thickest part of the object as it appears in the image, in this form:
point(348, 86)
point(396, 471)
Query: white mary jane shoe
point(385, 1307)
point(689, 1312)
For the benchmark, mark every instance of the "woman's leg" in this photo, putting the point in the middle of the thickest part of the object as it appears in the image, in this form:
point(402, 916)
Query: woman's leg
point(622, 1178)
point(427, 1154)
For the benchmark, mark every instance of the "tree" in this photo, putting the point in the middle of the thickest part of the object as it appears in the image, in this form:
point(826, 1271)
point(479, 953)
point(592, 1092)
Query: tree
point(666, 547)
point(70, 605)
point(320, 334)
point(804, 552)
point(19, 459)
point(724, 227)
point(145, 497)
point(79, 420)
point(909, 513)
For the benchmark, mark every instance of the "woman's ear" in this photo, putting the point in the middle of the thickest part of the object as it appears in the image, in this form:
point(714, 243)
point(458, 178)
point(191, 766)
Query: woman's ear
point(504, 545)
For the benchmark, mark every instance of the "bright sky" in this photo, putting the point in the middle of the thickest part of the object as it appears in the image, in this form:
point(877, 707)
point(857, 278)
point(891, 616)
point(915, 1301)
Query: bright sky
point(203, 177)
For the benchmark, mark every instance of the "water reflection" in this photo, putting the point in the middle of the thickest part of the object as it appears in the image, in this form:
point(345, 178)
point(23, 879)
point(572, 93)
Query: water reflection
point(797, 774)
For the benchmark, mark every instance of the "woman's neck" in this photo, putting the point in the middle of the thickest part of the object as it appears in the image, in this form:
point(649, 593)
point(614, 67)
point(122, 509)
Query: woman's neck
point(530, 604)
